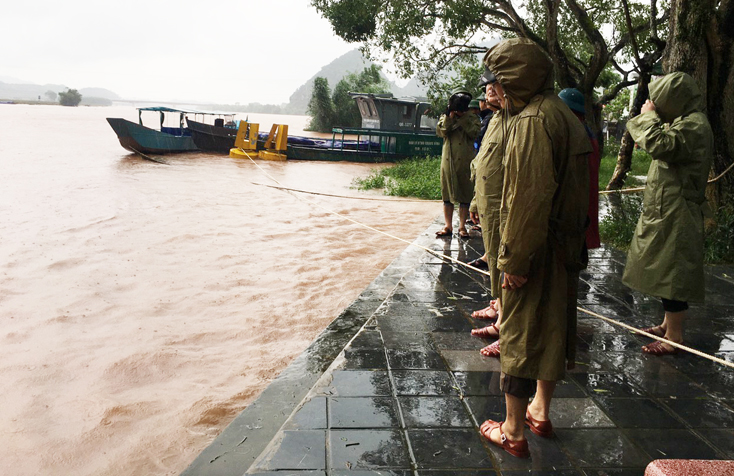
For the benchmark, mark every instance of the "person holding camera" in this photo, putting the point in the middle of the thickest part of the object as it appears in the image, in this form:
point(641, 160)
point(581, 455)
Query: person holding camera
point(458, 128)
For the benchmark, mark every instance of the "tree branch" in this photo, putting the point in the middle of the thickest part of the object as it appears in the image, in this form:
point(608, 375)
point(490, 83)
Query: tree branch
point(633, 38)
point(616, 89)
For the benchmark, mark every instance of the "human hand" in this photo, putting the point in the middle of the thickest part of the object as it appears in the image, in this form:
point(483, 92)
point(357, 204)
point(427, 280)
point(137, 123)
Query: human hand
point(513, 281)
point(647, 107)
point(474, 217)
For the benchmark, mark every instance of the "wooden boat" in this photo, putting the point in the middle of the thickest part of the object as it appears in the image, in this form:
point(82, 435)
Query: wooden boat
point(172, 135)
point(217, 137)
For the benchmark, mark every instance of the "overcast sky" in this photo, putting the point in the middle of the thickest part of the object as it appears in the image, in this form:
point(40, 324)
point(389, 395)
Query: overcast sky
point(223, 51)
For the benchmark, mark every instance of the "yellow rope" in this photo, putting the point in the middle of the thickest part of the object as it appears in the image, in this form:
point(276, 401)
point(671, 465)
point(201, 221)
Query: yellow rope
point(486, 273)
point(346, 196)
point(640, 189)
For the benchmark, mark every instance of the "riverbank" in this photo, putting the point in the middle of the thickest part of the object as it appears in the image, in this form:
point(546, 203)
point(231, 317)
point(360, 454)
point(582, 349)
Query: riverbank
point(396, 384)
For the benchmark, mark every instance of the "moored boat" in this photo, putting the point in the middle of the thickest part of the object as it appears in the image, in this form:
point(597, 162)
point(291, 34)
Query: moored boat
point(171, 136)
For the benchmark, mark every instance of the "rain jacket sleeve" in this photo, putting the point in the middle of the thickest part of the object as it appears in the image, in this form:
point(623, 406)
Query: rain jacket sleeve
point(666, 144)
point(529, 188)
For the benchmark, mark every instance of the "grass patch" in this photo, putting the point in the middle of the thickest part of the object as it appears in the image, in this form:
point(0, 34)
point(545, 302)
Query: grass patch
point(640, 165)
point(416, 177)
point(617, 226)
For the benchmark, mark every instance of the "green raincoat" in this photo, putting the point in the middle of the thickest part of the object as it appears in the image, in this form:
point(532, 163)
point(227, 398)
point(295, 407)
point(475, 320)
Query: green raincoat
point(666, 255)
point(488, 193)
point(543, 215)
point(458, 151)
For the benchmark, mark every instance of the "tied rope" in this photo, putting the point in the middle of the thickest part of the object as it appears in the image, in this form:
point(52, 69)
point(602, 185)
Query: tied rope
point(640, 189)
point(486, 273)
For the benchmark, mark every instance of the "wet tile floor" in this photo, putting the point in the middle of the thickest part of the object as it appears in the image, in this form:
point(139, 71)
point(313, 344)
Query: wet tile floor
point(396, 386)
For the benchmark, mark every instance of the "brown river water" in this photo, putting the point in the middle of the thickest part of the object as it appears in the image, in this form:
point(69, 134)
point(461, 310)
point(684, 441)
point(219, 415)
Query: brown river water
point(143, 306)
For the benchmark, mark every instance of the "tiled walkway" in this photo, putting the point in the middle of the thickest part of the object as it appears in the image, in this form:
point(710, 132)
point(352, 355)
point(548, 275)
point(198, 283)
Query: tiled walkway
point(396, 386)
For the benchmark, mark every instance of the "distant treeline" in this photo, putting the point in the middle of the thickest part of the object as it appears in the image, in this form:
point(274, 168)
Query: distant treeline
point(254, 107)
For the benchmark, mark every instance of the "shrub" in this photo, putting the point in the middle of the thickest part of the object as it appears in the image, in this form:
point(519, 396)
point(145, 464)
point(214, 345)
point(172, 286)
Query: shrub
point(416, 177)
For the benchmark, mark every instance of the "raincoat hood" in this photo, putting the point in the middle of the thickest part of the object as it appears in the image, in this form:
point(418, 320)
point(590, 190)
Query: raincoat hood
point(522, 68)
point(676, 95)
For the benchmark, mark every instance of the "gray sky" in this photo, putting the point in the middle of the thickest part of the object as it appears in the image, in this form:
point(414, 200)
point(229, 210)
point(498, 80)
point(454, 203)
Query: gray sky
point(223, 51)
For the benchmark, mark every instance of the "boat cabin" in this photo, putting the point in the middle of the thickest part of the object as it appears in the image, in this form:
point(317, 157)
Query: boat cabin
point(172, 121)
point(386, 113)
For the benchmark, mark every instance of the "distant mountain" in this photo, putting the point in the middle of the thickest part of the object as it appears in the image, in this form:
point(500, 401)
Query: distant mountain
point(31, 92)
point(351, 62)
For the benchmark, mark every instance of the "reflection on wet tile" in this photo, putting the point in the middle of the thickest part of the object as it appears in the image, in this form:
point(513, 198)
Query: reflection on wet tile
point(406, 340)
point(442, 448)
point(449, 324)
point(357, 383)
point(399, 323)
point(545, 454)
point(367, 449)
point(637, 413)
point(305, 449)
point(377, 472)
point(312, 415)
point(423, 382)
point(288, 473)
point(614, 472)
point(427, 412)
point(568, 388)
point(723, 439)
point(362, 412)
point(367, 359)
point(407, 359)
point(479, 383)
point(673, 385)
point(577, 413)
point(607, 384)
point(702, 413)
point(454, 472)
point(457, 341)
point(470, 360)
point(366, 339)
point(672, 444)
point(601, 448)
point(543, 472)
point(486, 408)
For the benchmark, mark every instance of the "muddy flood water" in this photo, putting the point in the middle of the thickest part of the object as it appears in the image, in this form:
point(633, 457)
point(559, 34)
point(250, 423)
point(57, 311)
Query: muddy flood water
point(143, 306)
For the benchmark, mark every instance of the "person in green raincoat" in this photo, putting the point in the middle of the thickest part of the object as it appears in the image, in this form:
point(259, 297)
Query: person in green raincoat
point(542, 232)
point(485, 209)
point(665, 257)
point(458, 128)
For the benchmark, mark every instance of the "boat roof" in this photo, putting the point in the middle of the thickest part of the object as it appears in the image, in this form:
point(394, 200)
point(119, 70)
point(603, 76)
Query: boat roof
point(185, 111)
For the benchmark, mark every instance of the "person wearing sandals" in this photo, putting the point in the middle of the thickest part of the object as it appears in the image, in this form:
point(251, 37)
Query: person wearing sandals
point(665, 258)
point(458, 128)
point(485, 208)
point(542, 233)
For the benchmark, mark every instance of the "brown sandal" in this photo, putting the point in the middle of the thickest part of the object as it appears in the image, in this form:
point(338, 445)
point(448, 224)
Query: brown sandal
point(655, 330)
point(542, 428)
point(492, 350)
point(484, 313)
point(518, 448)
point(444, 233)
point(486, 332)
point(658, 348)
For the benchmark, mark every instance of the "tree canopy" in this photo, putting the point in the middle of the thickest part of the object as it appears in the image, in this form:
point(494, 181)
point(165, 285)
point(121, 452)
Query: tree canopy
point(71, 97)
point(339, 109)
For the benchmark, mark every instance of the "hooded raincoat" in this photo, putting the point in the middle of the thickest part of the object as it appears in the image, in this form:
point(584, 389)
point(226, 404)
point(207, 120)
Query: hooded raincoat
point(488, 182)
point(458, 135)
point(666, 255)
point(545, 201)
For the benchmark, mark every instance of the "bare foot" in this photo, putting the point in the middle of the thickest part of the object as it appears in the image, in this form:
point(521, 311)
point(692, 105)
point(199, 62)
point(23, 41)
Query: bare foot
point(445, 232)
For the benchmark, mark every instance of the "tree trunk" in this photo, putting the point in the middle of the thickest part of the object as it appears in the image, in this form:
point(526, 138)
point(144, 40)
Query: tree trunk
point(624, 158)
point(700, 44)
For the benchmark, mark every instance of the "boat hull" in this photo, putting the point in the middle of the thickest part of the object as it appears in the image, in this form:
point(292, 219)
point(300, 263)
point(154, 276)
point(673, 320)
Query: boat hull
point(212, 138)
point(137, 138)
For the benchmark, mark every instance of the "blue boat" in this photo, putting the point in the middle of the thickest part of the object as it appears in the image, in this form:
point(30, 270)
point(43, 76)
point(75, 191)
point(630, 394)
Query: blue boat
point(168, 138)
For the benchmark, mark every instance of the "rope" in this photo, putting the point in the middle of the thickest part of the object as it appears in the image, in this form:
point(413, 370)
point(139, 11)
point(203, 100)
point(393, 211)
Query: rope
point(640, 189)
point(346, 196)
point(486, 273)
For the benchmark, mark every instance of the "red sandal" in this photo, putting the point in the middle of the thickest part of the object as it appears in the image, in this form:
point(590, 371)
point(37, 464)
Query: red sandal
point(518, 448)
point(657, 348)
point(542, 428)
point(492, 350)
point(486, 332)
point(655, 330)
